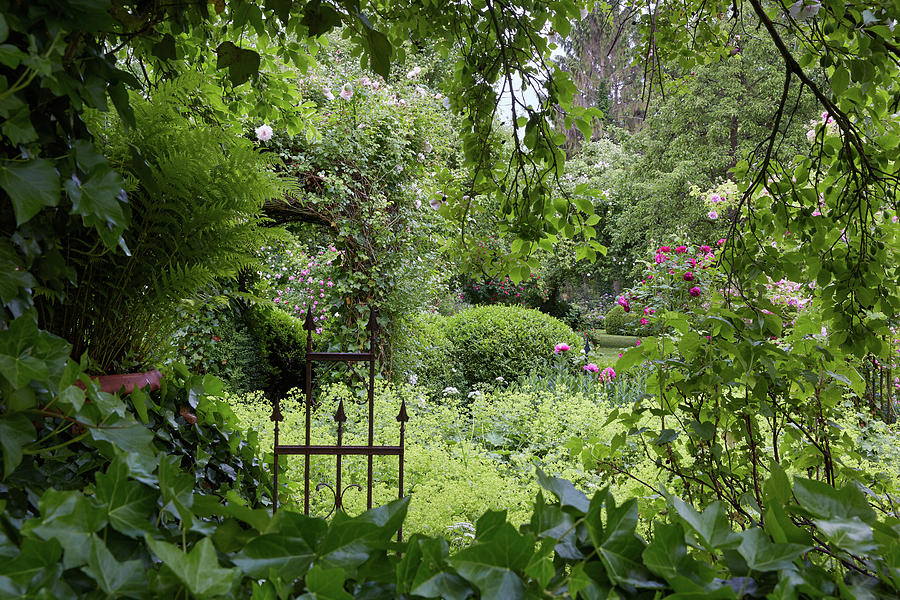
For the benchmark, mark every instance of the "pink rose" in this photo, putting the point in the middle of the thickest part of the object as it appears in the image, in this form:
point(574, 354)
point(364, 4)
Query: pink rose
point(688, 276)
point(694, 291)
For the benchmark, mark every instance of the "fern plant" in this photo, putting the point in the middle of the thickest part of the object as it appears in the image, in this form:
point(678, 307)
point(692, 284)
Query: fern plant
point(195, 191)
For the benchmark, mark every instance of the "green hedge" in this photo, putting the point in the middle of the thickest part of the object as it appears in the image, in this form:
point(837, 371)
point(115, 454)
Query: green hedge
point(618, 322)
point(423, 353)
point(505, 341)
point(282, 345)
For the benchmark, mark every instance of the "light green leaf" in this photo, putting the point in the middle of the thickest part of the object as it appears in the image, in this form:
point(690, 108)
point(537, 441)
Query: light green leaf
point(199, 569)
point(327, 584)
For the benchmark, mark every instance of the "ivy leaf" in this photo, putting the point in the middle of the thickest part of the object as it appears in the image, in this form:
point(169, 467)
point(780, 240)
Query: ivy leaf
point(129, 505)
point(851, 535)
point(711, 526)
point(70, 517)
point(114, 578)
point(15, 431)
point(493, 561)
point(119, 96)
point(350, 540)
point(97, 201)
point(618, 544)
point(289, 556)
point(199, 569)
point(762, 555)
point(129, 437)
point(18, 363)
point(823, 501)
point(177, 488)
point(565, 491)
point(423, 571)
point(327, 584)
point(31, 186)
point(18, 128)
point(666, 554)
point(35, 556)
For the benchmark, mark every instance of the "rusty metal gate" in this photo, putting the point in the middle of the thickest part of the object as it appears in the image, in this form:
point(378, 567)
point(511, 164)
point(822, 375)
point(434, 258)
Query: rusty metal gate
point(339, 450)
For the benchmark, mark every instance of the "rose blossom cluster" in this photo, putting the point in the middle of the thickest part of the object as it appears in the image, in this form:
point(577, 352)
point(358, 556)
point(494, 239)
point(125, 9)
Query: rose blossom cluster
point(675, 279)
point(298, 282)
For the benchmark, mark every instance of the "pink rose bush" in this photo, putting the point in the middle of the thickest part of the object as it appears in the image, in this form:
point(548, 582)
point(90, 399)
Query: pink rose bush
point(679, 277)
point(297, 281)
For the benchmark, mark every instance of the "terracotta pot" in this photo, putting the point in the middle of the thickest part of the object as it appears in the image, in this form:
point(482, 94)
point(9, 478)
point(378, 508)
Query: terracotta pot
point(113, 383)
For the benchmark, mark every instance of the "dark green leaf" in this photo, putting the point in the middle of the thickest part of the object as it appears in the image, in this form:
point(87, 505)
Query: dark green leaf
point(319, 18)
point(71, 518)
point(129, 504)
point(15, 431)
point(281, 8)
point(666, 554)
point(823, 501)
point(564, 490)
point(712, 526)
point(666, 436)
point(18, 128)
point(114, 578)
point(31, 185)
point(34, 556)
point(350, 540)
point(164, 49)
point(177, 488)
point(850, 535)
point(290, 557)
point(762, 555)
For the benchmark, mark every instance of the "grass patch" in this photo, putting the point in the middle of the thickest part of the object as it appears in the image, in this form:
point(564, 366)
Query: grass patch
point(601, 339)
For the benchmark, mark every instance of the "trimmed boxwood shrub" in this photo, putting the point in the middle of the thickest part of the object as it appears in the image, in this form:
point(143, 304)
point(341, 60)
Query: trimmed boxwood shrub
point(618, 322)
point(282, 346)
point(422, 351)
point(505, 341)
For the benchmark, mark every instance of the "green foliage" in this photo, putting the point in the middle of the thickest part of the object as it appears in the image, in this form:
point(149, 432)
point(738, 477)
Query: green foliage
point(281, 342)
point(464, 455)
point(423, 352)
point(194, 192)
point(504, 341)
point(217, 340)
point(367, 179)
point(618, 322)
